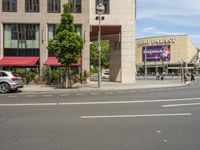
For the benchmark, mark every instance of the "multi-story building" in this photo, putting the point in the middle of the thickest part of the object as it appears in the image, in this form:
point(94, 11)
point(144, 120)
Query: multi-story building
point(165, 53)
point(27, 25)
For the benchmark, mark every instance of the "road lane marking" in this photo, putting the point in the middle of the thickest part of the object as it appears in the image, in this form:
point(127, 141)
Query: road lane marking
point(27, 104)
point(136, 116)
point(47, 95)
point(102, 102)
point(30, 95)
point(64, 95)
point(80, 94)
point(12, 96)
point(177, 105)
point(108, 93)
point(94, 93)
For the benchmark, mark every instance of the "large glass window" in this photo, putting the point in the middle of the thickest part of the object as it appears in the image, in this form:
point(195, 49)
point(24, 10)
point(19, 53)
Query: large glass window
point(106, 4)
point(21, 39)
point(53, 6)
point(78, 29)
point(32, 5)
point(52, 32)
point(75, 6)
point(9, 5)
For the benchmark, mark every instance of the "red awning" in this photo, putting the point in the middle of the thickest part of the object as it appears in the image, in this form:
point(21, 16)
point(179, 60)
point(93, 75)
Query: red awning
point(53, 61)
point(18, 61)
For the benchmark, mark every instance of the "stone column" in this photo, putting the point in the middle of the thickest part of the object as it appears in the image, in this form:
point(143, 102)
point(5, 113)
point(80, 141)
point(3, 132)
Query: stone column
point(85, 20)
point(127, 53)
point(43, 45)
point(114, 59)
point(1, 40)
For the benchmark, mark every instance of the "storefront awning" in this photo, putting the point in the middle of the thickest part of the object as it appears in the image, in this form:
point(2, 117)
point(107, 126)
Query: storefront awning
point(18, 61)
point(53, 61)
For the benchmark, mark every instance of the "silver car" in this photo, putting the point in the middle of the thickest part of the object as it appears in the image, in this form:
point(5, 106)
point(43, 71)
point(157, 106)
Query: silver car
point(9, 81)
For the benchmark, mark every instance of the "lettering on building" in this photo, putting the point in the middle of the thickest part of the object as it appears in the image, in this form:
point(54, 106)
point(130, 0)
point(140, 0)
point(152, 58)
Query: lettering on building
point(158, 41)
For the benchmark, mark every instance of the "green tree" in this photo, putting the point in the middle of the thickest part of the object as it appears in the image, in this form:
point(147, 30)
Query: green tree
point(104, 55)
point(66, 44)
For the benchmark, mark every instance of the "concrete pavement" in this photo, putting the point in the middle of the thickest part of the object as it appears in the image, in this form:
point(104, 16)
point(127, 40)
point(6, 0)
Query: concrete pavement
point(105, 86)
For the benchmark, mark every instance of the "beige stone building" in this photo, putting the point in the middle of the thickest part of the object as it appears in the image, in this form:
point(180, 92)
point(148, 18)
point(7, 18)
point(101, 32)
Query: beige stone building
point(165, 52)
point(27, 25)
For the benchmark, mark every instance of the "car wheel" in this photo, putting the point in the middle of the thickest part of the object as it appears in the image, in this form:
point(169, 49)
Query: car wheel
point(4, 88)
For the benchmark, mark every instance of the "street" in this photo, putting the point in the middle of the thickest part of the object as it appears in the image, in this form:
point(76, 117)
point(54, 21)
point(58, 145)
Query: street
point(141, 119)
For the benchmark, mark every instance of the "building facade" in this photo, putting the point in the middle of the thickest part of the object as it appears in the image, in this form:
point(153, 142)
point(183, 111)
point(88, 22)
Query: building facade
point(27, 25)
point(165, 54)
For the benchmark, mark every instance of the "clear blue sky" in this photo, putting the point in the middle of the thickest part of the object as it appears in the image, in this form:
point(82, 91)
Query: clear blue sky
point(168, 17)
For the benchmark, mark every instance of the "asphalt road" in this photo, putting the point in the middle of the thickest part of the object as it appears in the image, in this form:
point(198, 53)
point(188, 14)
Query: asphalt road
point(147, 119)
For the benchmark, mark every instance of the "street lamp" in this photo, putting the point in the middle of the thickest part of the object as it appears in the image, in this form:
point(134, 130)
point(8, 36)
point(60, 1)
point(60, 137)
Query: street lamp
point(100, 10)
point(145, 63)
point(163, 65)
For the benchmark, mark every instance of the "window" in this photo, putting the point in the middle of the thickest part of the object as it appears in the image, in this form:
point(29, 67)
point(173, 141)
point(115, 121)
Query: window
point(78, 29)
point(106, 4)
point(32, 5)
point(9, 5)
point(75, 6)
point(53, 6)
point(3, 74)
point(21, 39)
point(52, 32)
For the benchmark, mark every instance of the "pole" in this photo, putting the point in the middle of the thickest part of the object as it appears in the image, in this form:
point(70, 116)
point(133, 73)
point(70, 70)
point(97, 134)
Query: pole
point(163, 67)
point(145, 63)
point(99, 52)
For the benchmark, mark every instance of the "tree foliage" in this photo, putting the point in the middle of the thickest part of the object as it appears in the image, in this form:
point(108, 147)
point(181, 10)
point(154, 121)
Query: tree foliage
point(66, 44)
point(104, 54)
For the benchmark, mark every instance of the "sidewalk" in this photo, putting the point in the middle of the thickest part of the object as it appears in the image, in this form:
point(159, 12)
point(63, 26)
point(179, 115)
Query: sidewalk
point(105, 86)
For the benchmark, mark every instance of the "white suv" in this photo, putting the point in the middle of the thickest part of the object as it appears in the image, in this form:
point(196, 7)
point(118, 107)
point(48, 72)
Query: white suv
point(9, 82)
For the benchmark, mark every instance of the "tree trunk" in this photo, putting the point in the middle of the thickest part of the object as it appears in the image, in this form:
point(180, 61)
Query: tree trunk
point(69, 79)
point(65, 82)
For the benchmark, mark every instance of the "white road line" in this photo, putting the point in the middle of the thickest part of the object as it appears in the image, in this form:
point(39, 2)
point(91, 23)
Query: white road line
point(47, 95)
point(136, 116)
point(27, 104)
point(80, 94)
point(64, 95)
point(103, 102)
point(94, 93)
point(30, 95)
point(176, 105)
point(12, 96)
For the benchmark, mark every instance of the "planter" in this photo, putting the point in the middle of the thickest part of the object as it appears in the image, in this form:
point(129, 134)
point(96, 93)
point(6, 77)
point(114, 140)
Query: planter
point(41, 81)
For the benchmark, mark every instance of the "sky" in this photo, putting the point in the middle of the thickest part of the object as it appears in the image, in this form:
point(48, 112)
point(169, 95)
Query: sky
point(168, 17)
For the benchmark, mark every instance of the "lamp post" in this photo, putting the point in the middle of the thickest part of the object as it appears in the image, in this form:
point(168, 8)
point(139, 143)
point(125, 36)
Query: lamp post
point(100, 10)
point(163, 65)
point(145, 63)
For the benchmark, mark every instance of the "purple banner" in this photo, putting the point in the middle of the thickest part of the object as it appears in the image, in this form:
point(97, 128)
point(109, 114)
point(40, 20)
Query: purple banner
point(157, 53)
